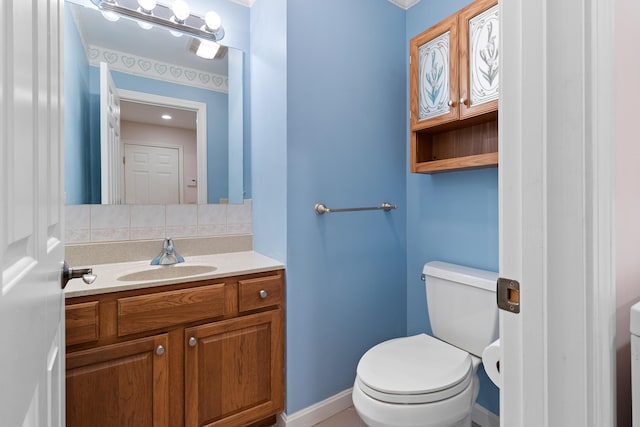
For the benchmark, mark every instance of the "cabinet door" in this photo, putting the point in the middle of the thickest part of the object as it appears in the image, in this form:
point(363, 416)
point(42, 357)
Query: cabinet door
point(234, 370)
point(479, 34)
point(434, 75)
point(119, 385)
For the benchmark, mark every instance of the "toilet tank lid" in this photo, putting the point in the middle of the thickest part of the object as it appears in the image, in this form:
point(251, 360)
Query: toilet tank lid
point(459, 273)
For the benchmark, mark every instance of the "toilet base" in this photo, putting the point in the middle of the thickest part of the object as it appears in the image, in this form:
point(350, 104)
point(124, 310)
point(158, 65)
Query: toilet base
point(452, 412)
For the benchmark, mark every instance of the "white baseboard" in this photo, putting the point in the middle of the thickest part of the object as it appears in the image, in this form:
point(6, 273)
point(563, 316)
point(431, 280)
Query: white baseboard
point(318, 412)
point(484, 417)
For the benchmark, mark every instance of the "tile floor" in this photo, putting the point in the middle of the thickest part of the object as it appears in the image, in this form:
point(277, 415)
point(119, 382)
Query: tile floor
point(348, 418)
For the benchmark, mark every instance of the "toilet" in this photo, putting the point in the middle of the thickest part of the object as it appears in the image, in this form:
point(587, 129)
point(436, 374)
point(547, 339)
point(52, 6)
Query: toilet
point(431, 381)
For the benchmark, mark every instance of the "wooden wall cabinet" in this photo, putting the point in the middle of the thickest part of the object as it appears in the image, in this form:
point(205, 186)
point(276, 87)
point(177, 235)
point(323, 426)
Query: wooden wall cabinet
point(207, 353)
point(454, 91)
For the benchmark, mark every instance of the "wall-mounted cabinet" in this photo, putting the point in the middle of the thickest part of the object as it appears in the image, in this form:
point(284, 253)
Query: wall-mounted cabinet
point(454, 91)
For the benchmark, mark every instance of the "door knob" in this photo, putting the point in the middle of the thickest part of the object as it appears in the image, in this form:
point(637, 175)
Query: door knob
point(192, 342)
point(68, 273)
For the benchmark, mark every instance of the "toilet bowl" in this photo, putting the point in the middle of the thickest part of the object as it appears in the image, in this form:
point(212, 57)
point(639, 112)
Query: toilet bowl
point(418, 381)
point(431, 381)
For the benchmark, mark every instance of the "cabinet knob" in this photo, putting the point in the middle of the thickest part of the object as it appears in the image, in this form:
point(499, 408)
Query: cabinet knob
point(463, 101)
point(263, 294)
point(192, 342)
point(160, 350)
point(450, 103)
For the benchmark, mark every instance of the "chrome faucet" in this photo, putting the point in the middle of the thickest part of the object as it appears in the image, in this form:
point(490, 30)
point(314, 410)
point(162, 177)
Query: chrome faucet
point(168, 255)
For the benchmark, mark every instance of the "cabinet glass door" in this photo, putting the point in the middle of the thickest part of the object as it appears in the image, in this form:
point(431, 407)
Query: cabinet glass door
point(434, 75)
point(479, 83)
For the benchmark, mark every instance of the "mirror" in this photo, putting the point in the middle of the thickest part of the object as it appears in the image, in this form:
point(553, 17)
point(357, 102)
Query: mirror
point(156, 74)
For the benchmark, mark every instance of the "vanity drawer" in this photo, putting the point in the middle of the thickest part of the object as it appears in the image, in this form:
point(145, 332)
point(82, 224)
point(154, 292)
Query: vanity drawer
point(162, 309)
point(82, 323)
point(260, 292)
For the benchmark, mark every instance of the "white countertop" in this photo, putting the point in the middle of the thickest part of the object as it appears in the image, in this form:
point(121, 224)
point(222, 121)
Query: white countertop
point(227, 264)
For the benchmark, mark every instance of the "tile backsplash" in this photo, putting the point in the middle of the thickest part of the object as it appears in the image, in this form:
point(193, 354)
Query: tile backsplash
point(112, 223)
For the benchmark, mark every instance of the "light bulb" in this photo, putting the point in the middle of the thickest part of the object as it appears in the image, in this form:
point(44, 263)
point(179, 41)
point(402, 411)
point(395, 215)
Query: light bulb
point(147, 5)
point(145, 25)
point(110, 16)
point(175, 33)
point(212, 21)
point(180, 10)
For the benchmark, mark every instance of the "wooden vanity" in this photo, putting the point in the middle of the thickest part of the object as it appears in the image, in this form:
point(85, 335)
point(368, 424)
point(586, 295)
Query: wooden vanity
point(202, 353)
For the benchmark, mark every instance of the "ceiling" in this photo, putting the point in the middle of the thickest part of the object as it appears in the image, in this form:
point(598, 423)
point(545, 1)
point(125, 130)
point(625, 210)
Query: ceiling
point(152, 114)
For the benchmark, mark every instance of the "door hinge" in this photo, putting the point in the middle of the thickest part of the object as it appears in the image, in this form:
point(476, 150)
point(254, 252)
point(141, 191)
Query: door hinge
point(508, 295)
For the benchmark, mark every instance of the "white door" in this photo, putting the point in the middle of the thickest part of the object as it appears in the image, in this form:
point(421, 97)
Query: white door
point(31, 301)
point(152, 174)
point(556, 195)
point(110, 149)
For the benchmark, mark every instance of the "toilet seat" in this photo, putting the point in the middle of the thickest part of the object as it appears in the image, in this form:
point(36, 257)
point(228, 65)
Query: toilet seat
point(414, 370)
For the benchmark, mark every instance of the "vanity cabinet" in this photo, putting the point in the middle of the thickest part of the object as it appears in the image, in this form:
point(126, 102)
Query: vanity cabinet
point(205, 353)
point(228, 370)
point(120, 384)
point(454, 91)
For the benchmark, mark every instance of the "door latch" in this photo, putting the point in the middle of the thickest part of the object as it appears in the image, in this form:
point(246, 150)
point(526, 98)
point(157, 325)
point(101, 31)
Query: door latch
point(508, 295)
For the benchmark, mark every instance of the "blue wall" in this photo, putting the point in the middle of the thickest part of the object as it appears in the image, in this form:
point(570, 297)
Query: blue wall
point(344, 146)
point(76, 120)
point(236, 22)
point(451, 217)
point(269, 127)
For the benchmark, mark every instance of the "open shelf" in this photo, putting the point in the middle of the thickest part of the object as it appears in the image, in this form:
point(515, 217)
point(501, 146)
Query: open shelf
point(442, 149)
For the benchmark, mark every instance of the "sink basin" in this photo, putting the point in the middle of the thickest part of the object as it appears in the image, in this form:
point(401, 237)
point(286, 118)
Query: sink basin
point(167, 272)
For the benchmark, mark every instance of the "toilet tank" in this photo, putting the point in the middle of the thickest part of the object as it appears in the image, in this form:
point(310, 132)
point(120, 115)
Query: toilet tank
point(462, 305)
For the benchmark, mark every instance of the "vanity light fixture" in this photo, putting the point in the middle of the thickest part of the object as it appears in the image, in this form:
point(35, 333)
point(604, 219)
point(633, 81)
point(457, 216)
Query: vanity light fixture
point(177, 18)
point(207, 50)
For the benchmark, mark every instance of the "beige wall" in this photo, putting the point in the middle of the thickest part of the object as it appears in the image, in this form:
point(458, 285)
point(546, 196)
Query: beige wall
point(627, 191)
point(140, 132)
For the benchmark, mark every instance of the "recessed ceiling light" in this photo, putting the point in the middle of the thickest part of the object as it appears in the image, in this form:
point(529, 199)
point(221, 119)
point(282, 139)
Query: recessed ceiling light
point(166, 117)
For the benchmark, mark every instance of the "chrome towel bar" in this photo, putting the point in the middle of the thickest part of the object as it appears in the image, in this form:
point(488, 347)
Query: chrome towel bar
point(321, 208)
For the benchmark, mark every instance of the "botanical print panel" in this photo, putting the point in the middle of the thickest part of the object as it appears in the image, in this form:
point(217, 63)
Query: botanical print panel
point(433, 77)
point(483, 66)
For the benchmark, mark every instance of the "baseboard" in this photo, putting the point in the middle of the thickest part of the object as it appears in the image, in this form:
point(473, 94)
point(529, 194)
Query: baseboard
point(318, 412)
point(484, 417)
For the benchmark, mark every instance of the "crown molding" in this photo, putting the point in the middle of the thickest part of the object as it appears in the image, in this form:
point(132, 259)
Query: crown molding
point(150, 68)
point(405, 4)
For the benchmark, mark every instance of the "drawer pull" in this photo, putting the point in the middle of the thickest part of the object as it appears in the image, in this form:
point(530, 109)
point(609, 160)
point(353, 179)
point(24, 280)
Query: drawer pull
point(192, 342)
point(160, 350)
point(264, 294)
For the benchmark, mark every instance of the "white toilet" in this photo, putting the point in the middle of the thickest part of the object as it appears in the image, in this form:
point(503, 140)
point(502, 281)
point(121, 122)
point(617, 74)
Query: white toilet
point(425, 381)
